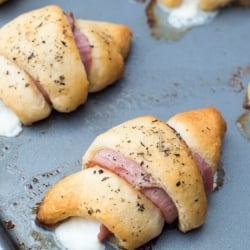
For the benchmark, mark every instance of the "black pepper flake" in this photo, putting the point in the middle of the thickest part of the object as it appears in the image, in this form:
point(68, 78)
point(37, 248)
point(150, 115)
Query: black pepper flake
point(100, 171)
point(178, 183)
point(105, 178)
point(9, 224)
point(64, 43)
point(40, 25)
point(140, 207)
point(35, 180)
point(90, 211)
point(31, 56)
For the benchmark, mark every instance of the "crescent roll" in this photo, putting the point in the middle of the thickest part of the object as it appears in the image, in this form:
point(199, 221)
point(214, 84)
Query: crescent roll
point(137, 171)
point(42, 44)
point(165, 156)
point(64, 58)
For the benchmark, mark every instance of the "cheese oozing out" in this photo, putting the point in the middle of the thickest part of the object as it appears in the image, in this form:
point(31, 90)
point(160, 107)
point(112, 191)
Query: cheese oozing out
point(79, 234)
point(187, 15)
point(10, 124)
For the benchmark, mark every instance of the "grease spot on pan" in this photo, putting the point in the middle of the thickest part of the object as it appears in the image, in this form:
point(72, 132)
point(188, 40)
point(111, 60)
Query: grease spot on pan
point(243, 123)
point(219, 178)
point(171, 23)
point(159, 25)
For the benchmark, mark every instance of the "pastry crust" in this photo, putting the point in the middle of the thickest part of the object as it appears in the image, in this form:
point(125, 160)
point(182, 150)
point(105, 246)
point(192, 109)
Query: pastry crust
point(41, 43)
point(212, 5)
point(19, 92)
point(164, 155)
point(243, 2)
point(132, 218)
point(203, 130)
point(110, 44)
point(3, 1)
point(170, 3)
point(205, 5)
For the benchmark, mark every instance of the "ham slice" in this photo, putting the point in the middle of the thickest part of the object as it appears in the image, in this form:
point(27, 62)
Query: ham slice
point(103, 234)
point(84, 49)
point(134, 174)
point(82, 42)
point(206, 173)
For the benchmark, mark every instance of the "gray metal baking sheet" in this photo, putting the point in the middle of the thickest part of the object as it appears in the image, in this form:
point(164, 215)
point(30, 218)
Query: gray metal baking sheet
point(208, 66)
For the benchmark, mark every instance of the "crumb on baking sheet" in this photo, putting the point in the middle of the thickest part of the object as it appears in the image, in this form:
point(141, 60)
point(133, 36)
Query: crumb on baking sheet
point(9, 224)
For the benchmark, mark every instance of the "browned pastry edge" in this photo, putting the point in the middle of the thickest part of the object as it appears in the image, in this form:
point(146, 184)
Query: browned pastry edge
point(101, 195)
point(203, 130)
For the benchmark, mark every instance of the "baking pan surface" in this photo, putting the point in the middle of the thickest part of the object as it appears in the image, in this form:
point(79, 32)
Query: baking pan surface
point(209, 65)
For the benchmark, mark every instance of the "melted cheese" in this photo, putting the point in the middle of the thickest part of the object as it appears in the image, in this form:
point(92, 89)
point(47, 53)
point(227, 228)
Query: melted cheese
point(187, 15)
point(79, 234)
point(10, 124)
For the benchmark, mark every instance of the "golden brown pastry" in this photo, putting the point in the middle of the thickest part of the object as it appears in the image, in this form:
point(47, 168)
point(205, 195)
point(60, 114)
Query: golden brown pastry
point(142, 173)
point(154, 145)
point(206, 142)
point(19, 92)
point(212, 5)
point(206, 5)
point(62, 61)
point(110, 44)
point(42, 44)
point(132, 218)
point(171, 3)
point(243, 2)
point(3, 1)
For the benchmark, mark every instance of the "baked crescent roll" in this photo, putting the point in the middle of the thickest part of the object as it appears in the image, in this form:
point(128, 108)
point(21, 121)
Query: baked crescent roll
point(63, 57)
point(146, 160)
point(165, 156)
point(42, 44)
point(110, 44)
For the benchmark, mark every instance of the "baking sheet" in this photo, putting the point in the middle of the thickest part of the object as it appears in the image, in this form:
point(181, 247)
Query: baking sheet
point(208, 66)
